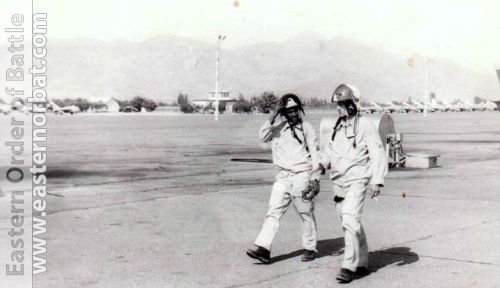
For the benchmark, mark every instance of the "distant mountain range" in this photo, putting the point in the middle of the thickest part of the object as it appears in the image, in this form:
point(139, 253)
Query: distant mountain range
point(308, 65)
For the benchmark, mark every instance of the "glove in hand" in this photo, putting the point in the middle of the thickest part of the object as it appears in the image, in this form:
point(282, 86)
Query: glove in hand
point(311, 191)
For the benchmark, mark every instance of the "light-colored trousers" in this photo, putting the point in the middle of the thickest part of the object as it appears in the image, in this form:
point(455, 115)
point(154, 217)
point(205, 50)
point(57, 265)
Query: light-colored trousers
point(349, 211)
point(288, 188)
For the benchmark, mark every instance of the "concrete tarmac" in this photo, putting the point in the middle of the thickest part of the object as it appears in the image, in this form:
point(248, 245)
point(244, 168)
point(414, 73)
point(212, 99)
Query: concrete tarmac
point(153, 201)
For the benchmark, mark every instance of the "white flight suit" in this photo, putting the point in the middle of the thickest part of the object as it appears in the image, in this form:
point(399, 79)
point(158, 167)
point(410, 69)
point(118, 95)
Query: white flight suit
point(357, 158)
point(294, 161)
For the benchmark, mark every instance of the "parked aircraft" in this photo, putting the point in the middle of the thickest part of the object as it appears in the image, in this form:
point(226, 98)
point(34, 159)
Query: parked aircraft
point(5, 109)
point(419, 106)
point(432, 106)
point(406, 107)
point(66, 109)
point(482, 106)
point(422, 107)
point(25, 109)
point(461, 107)
point(474, 107)
point(490, 106)
point(450, 107)
point(372, 108)
point(437, 107)
point(458, 107)
point(390, 107)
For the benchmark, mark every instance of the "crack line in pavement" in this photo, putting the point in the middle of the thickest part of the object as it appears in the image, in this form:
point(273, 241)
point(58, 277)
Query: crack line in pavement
point(436, 198)
point(432, 257)
point(458, 260)
point(55, 194)
point(444, 233)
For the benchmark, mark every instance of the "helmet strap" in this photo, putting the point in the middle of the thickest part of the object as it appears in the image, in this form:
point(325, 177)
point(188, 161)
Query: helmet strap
point(356, 124)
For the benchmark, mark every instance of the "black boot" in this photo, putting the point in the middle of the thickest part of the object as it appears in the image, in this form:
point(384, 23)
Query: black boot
point(261, 254)
point(345, 276)
point(308, 255)
point(362, 271)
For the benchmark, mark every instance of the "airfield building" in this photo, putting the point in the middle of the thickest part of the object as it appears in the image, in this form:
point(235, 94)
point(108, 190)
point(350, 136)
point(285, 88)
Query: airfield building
point(110, 105)
point(224, 98)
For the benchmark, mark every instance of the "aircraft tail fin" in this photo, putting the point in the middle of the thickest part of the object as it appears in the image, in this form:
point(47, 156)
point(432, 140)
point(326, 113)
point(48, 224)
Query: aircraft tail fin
point(54, 105)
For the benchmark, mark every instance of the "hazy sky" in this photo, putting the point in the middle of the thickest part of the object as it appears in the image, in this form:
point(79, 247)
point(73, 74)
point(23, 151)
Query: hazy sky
point(467, 31)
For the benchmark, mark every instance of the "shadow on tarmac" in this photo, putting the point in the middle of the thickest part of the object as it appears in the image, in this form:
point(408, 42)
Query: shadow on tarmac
point(398, 256)
point(326, 247)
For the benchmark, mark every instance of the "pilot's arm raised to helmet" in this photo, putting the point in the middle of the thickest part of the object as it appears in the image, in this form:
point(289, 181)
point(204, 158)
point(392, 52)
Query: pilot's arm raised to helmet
point(266, 131)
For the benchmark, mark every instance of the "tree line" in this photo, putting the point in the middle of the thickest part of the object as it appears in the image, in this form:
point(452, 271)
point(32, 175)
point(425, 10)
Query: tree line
point(84, 105)
point(265, 103)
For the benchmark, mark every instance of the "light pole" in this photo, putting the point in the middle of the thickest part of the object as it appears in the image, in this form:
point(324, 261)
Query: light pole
point(217, 94)
point(428, 60)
